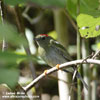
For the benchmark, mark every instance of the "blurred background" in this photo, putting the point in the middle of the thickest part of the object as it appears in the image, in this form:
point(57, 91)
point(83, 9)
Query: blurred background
point(74, 23)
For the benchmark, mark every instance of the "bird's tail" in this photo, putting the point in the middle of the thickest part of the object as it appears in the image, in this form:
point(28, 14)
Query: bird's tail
point(78, 76)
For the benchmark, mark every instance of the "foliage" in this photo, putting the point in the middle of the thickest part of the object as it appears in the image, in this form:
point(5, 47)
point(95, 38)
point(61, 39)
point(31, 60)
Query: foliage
point(11, 34)
point(88, 22)
point(9, 72)
point(14, 2)
point(88, 25)
point(9, 76)
point(86, 7)
point(57, 3)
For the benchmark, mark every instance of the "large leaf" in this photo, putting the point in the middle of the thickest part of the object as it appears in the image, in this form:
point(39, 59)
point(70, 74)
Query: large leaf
point(15, 2)
point(9, 57)
point(90, 7)
point(88, 25)
point(11, 35)
point(9, 72)
point(9, 76)
point(57, 3)
point(92, 4)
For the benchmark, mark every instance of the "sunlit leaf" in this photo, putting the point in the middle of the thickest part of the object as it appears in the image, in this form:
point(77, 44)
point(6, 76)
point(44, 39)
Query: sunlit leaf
point(88, 25)
point(98, 46)
point(53, 34)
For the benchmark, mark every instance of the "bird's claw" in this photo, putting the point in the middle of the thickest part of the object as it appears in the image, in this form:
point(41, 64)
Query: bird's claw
point(45, 72)
point(57, 66)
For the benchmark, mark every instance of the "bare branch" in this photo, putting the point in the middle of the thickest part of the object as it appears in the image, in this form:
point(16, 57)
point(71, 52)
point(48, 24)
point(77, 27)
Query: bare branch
point(64, 65)
point(96, 54)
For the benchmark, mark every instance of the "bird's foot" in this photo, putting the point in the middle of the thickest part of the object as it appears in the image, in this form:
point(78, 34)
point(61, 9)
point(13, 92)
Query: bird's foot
point(45, 72)
point(57, 66)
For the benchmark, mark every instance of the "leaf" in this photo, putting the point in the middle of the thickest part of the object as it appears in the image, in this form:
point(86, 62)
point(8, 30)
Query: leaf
point(86, 7)
point(53, 34)
point(88, 25)
point(57, 3)
point(11, 34)
point(14, 2)
point(94, 4)
point(9, 76)
point(9, 57)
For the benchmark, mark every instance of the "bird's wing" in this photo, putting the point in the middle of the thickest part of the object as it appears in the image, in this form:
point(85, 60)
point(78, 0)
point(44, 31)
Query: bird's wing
point(60, 49)
point(65, 54)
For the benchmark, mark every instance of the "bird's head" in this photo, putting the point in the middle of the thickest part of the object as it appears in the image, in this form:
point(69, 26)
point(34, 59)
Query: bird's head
point(43, 40)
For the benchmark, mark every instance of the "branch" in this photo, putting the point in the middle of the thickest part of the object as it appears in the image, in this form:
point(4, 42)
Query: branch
point(64, 65)
point(4, 43)
point(96, 54)
point(21, 28)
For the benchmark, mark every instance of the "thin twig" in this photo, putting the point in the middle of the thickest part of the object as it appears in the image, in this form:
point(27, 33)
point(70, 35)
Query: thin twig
point(71, 20)
point(4, 43)
point(96, 54)
point(21, 28)
point(90, 56)
point(1, 11)
point(64, 65)
point(31, 65)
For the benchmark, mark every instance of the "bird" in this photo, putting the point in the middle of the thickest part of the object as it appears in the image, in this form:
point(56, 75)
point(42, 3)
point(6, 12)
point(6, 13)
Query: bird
point(53, 53)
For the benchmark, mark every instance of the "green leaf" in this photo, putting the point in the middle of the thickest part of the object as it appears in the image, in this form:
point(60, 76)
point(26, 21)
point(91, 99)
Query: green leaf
point(57, 3)
point(9, 76)
point(9, 57)
point(14, 2)
point(86, 7)
point(88, 25)
point(53, 34)
point(11, 35)
point(71, 7)
point(94, 4)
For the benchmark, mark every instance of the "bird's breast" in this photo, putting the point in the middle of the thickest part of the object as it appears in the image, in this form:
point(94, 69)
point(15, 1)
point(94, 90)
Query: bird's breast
point(51, 56)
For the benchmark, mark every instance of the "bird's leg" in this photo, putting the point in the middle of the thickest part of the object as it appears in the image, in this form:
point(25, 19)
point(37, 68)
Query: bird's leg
point(45, 72)
point(57, 66)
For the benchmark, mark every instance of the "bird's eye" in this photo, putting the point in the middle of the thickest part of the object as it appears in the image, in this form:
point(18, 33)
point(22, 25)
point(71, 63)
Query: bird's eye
point(43, 38)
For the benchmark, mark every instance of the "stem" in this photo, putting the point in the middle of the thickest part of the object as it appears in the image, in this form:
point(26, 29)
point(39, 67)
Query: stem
point(21, 28)
point(94, 84)
point(78, 54)
point(86, 70)
point(95, 75)
point(61, 29)
point(4, 43)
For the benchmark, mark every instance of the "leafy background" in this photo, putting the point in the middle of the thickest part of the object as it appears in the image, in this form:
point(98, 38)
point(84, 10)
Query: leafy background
point(15, 61)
